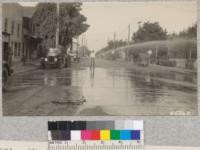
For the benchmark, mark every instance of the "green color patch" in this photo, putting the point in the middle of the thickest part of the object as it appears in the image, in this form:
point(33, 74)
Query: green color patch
point(114, 134)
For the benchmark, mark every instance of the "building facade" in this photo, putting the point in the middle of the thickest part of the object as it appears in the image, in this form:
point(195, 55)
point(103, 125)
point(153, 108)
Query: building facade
point(14, 17)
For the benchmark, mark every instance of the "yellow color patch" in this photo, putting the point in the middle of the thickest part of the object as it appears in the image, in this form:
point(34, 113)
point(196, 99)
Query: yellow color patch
point(105, 134)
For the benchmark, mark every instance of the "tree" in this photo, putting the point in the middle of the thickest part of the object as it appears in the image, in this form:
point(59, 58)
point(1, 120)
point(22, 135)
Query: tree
point(71, 22)
point(115, 44)
point(149, 32)
point(190, 32)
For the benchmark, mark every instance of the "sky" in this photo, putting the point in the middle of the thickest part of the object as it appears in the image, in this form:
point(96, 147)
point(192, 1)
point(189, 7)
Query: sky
point(105, 18)
point(28, 4)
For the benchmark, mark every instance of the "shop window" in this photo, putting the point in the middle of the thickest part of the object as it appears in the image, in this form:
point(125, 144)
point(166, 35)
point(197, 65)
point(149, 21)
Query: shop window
point(13, 27)
point(6, 25)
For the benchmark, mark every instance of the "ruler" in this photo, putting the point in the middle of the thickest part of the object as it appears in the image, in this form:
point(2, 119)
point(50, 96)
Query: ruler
point(96, 145)
point(30, 145)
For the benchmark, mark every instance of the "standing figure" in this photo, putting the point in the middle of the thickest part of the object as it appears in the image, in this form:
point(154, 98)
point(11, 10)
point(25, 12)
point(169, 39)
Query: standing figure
point(92, 59)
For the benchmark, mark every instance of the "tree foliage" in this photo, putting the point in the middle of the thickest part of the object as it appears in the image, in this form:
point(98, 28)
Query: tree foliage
point(71, 22)
point(190, 32)
point(116, 44)
point(149, 32)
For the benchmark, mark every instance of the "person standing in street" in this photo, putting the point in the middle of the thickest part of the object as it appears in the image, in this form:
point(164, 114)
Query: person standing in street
point(92, 59)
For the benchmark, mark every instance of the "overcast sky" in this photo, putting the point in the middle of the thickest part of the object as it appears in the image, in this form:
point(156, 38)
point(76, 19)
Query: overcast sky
point(105, 18)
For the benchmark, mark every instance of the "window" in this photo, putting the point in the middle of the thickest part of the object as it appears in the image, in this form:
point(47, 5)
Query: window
point(15, 49)
point(23, 47)
point(33, 28)
point(18, 30)
point(19, 48)
point(12, 46)
point(13, 27)
point(6, 25)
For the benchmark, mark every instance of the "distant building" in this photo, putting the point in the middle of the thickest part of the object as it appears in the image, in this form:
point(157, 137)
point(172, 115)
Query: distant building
point(15, 22)
point(75, 45)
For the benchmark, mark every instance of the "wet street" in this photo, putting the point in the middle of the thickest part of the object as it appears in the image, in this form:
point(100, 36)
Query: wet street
point(110, 90)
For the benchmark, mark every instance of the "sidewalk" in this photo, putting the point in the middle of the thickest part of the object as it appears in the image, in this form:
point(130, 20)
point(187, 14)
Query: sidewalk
point(30, 65)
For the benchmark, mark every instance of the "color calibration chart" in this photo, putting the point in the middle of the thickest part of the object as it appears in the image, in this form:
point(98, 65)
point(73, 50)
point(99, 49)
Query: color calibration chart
point(96, 135)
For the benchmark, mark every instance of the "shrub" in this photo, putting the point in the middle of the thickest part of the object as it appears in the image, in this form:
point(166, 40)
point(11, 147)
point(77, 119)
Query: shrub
point(166, 62)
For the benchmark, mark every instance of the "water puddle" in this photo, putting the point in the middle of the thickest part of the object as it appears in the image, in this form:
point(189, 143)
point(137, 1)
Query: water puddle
point(118, 89)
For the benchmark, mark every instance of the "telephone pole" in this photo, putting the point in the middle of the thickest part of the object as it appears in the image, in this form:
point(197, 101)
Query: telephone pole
point(127, 50)
point(86, 41)
point(57, 26)
point(77, 45)
point(82, 43)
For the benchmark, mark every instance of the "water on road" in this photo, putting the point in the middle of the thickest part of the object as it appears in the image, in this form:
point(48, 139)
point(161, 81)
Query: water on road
point(107, 91)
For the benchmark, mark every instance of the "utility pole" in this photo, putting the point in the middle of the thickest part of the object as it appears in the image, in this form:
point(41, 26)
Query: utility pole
point(113, 51)
point(114, 40)
point(127, 50)
point(86, 41)
point(77, 45)
point(57, 26)
point(156, 54)
point(82, 43)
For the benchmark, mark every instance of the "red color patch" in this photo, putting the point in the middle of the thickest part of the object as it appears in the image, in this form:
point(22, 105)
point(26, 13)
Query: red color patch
point(95, 135)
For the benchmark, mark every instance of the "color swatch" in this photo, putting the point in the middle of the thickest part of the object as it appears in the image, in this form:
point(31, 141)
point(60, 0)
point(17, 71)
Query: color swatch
point(95, 130)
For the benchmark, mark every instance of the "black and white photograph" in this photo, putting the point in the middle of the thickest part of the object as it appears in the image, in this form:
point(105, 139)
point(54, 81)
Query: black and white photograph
point(99, 58)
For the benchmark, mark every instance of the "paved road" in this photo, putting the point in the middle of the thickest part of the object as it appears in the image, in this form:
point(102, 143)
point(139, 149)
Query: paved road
point(113, 88)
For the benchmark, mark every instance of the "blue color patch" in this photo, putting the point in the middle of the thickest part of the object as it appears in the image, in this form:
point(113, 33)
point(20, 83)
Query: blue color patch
point(125, 135)
point(135, 134)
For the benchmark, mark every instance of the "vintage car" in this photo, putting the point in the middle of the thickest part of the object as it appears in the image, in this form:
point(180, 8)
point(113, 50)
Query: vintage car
point(55, 58)
point(74, 57)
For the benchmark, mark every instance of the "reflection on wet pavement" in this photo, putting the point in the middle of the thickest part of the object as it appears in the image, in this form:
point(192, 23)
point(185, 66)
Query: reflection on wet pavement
point(116, 91)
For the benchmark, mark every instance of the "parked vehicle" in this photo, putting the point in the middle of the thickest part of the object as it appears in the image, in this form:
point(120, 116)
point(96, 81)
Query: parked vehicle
point(55, 58)
point(74, 57)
